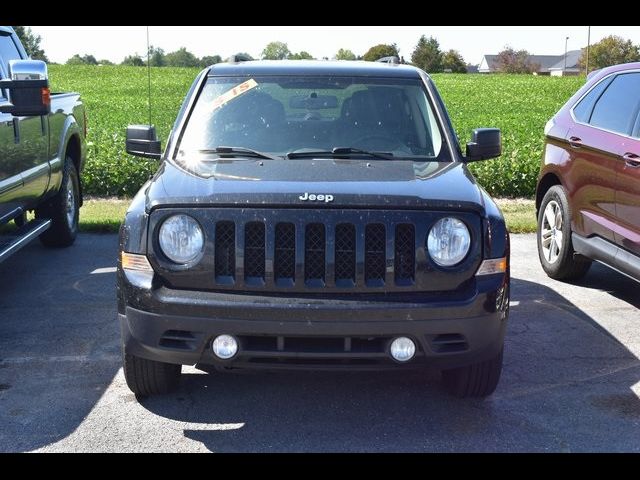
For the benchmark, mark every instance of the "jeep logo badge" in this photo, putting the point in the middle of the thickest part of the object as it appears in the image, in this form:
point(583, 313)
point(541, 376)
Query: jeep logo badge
point(316, 197)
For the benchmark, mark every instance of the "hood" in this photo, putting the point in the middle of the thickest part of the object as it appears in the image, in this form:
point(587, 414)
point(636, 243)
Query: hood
point(318, 183)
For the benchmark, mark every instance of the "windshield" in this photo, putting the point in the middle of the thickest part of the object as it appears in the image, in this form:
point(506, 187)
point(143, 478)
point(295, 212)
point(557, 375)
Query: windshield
point(319, 116)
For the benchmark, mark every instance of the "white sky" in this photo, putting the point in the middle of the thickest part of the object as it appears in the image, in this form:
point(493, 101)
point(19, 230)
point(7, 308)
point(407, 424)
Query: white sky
point(114, 43)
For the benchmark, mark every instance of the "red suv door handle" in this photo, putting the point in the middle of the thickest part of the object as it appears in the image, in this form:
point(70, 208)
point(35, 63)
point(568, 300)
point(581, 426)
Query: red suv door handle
point(631, 160)
point(575, 142)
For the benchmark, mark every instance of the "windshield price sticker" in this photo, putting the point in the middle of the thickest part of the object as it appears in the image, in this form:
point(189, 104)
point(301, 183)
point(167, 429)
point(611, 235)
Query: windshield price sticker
point(233, 93)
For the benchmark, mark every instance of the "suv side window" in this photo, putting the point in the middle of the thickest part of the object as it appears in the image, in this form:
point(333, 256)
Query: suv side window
point(582, 111)
point(617, 107)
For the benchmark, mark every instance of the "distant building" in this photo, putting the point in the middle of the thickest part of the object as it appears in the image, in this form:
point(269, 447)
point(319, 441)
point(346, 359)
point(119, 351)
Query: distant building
point(472, 68)
point(553, 65)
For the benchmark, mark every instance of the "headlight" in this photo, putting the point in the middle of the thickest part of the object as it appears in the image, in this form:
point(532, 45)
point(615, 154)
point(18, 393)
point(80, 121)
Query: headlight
point(181, 239)
point(448, 242)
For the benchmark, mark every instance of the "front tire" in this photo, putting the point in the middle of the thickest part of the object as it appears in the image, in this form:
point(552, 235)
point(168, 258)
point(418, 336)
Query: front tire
point(148, 377)
point(555, 248)
point(63, 210)
point(477, 380)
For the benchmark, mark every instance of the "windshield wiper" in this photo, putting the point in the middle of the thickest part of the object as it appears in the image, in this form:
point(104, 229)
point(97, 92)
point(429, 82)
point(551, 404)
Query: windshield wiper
point(240, 151)
point(338, 152)
point(348, 150)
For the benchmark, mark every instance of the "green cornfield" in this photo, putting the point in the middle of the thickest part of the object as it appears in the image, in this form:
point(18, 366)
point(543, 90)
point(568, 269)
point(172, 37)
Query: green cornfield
point(116, 96)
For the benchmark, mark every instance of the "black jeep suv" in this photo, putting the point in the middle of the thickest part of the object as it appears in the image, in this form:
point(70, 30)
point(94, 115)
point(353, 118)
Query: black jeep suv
point(313, 215)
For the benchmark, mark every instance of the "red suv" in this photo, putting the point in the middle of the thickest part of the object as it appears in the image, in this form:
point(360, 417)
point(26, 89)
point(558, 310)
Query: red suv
point(588, 193)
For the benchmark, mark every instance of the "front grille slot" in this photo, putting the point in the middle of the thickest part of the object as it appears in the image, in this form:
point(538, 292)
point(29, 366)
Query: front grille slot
point(254, 251)
point(405, 254)
point(375, 254)
point(314, 254)
point(225, 262)
point(285, 253)
point(345, 255)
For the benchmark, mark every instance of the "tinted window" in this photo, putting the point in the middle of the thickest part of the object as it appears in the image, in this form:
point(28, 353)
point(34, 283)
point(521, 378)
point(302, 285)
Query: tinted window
point(617, 108)
point(583, 109)
point(8, 51)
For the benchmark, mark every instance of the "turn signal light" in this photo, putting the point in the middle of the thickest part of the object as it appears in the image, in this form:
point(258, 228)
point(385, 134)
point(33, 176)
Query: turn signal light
point(46, 96)
point(133, 261)
point(492, 265)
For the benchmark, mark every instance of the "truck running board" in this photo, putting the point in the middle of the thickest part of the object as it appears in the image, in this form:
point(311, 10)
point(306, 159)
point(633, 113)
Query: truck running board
point(14, 241)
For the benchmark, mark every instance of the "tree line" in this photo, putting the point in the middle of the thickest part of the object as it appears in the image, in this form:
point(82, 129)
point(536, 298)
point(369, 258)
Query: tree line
point(157, 58)
point(426, 55)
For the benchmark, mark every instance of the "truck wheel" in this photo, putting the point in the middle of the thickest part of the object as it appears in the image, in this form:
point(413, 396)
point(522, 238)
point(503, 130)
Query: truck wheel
point(148, 377)
point(477, 380)
point(63, 210)
point(555, 249)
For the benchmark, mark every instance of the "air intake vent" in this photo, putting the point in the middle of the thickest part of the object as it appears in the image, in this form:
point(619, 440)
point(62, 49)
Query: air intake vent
point(375, 254)
point(345, 254)
point(449, 343)
point(178, 339)
point(405, 254)
point(314, 250)
point(285, 253)
point(225, 252)
point(254, 251)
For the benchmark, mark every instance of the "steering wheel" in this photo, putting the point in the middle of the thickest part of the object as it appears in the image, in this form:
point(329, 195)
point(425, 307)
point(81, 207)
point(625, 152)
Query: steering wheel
point(377, 141)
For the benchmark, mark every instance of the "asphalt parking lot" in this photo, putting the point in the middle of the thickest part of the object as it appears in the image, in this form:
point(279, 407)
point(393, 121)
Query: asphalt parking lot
point(571, 380)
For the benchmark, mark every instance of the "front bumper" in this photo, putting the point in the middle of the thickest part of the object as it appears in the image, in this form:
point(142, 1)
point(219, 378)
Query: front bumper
point(177, 326)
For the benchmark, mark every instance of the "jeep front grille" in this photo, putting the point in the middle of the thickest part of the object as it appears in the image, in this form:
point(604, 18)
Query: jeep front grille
point(325, 250)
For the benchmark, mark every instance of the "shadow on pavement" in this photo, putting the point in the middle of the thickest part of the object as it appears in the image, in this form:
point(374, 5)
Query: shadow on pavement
point(59, 346)
point(566, 386)
point(612, 282)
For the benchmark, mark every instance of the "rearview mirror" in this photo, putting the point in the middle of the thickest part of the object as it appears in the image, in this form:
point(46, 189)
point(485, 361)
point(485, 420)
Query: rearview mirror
point(313, 101)
point(485, 143)
point(142, 141)
point(28, 86)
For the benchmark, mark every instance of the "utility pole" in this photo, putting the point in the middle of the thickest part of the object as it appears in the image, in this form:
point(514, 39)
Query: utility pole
point(588, 44)
point(564, 72)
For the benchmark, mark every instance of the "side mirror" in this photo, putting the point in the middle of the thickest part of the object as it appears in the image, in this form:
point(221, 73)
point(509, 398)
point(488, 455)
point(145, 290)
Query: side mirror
point(485, 143)
point(142, 141)
point(28, 86)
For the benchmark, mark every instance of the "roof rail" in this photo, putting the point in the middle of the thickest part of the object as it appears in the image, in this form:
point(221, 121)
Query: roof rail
point(391, 59)
point(239, 57)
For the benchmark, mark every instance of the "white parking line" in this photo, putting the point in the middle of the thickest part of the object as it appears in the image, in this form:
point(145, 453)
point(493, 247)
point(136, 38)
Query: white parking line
point(104, 270)
point(60, 358)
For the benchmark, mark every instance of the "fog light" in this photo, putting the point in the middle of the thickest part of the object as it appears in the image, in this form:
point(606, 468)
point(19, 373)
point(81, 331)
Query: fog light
point(403, 349)
point(224, 346)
